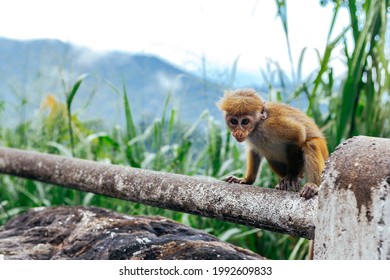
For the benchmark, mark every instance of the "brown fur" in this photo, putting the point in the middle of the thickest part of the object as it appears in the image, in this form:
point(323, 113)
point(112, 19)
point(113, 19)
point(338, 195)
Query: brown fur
point(290, 141)
point(253, 163)
point(240, 102)
point(315, 157)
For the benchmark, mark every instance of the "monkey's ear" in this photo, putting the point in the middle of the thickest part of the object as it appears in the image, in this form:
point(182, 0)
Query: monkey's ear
point(264, 113)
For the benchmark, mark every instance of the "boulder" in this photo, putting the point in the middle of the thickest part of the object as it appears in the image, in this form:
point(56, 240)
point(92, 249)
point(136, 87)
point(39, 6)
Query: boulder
point(99, 234)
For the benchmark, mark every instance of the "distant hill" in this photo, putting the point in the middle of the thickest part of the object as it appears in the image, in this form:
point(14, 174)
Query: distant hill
point(30, 70)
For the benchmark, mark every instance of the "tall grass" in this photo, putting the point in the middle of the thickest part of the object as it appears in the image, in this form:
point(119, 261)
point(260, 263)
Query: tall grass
point(367, 84)
point(357, 103)
point(203, 148)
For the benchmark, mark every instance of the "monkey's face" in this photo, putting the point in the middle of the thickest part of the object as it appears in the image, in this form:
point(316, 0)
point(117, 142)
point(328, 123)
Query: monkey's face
point(240, 126)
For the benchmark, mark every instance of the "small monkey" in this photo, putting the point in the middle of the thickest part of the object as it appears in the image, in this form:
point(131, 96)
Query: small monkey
point(290, 141)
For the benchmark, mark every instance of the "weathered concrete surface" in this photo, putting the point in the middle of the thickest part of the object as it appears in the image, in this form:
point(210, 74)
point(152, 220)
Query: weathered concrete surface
point(353, 220)
point(94, 233)
point(264, 208)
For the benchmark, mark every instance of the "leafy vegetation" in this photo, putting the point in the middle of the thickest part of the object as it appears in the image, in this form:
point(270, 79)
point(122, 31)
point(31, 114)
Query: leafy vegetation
point(357, 103)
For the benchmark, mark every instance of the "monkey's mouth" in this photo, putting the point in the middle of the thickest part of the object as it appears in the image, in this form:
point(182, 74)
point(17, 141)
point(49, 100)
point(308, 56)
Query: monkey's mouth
point(240, 139)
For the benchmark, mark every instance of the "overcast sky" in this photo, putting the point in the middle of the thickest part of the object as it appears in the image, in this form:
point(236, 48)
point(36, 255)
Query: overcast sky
point(181, 31)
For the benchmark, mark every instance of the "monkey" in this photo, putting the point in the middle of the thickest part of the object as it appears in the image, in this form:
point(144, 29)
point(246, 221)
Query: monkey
point(287, 138)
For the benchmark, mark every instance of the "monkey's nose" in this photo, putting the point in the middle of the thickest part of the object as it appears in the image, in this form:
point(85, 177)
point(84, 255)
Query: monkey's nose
point(239, 137)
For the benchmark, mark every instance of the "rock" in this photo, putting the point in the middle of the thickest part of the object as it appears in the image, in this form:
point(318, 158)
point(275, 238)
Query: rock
point(95, 233)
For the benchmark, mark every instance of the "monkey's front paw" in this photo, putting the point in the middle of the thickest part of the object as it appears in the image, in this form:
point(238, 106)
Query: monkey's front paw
point(309, 190)
point(233, 179)
point(288, 184)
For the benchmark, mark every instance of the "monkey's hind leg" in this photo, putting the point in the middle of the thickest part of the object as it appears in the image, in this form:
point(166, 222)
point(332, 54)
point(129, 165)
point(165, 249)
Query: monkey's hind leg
point(287, 183)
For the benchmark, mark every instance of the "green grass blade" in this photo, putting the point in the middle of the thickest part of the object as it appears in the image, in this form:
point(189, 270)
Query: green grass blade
point(354, 19)
point(75, 88)
point(300, 64)
point(69, 99)
point(171, 123)
point(130, 127)
point(165, 108)
point(352, 90)
point(195, 124)
point(233, 72)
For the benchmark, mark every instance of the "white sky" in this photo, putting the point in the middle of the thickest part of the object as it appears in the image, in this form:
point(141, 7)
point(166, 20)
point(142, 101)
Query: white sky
point(181, 31)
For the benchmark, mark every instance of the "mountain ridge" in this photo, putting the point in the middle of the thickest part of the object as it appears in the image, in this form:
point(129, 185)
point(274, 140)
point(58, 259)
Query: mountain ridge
point(32, 69)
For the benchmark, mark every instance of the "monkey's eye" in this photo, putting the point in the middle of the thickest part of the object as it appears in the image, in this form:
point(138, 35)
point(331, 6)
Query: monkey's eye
point(245, 121)
point(234, 121)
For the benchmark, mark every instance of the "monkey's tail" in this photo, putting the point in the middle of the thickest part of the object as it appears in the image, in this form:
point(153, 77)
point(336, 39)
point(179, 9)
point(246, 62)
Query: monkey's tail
point(315, 153)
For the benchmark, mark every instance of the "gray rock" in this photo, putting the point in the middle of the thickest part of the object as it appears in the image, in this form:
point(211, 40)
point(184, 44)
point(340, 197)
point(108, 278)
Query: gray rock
point(95, 233)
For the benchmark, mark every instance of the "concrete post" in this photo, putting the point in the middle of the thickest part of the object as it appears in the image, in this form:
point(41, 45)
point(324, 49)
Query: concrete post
point(353, 217)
